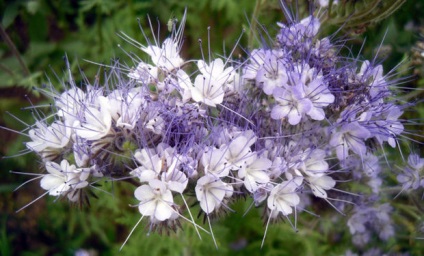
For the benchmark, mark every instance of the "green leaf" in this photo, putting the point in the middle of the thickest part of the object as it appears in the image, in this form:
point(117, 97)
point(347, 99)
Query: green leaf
point(5, 239)
point(38, 28)
point(10, 14)
point(87, 5)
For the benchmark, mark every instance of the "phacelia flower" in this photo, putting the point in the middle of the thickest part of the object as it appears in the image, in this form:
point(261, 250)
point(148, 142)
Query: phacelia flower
point(156, 200)
point(282, 198)
point(210, 192)
point(64, 178)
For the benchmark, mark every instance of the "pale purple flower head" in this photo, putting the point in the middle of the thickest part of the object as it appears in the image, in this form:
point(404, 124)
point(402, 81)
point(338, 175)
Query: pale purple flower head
point(293, 124)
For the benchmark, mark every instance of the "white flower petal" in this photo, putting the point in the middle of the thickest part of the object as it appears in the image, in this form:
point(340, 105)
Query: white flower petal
point(144, 193)
point(50, 182)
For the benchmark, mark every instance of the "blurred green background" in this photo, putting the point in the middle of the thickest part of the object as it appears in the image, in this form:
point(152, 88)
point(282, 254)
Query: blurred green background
point(35, 35)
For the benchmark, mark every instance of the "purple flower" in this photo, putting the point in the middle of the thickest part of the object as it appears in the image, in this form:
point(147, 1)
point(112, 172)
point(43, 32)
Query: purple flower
point(286, 127)
point(350, 136)
point(367, 220)
point(411, 176)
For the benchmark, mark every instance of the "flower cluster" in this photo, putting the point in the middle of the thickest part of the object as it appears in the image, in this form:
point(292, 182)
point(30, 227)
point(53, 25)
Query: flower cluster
point(366, 220)
point(286, 124)
point(412, 176)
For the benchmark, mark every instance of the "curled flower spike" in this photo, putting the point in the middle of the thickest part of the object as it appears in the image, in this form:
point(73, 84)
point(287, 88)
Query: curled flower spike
point(285, 125)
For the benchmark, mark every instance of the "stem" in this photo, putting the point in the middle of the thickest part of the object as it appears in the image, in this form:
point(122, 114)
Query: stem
point(417, 203)
point(15, 51)
point(415, 93)
point(99, 30)
point(132, 182)
point(253, 23)
point(7, 70)
point(408, 209)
